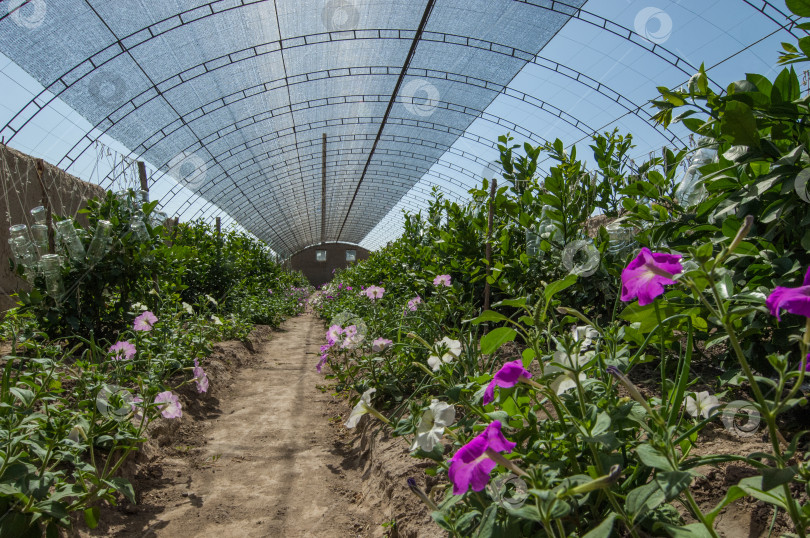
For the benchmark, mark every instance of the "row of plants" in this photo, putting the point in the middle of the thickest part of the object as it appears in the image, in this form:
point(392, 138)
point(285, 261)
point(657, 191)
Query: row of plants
point(105, 343)
point(637, 311)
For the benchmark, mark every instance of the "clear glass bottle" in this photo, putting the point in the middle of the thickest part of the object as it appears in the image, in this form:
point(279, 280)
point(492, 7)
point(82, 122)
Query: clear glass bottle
point(157, 218)
point(70, 239)
point(39, 214)
point(40, 234)
point(18, 230)
point(51, 266)
point(138, 227)
point(25, 255)
point(98, 246)
point(533, 240)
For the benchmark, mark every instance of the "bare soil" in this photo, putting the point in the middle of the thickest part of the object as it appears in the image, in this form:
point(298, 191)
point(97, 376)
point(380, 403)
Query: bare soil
point(265, 454)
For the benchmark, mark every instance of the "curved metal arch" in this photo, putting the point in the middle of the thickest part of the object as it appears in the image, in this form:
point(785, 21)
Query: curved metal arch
point(270, 47)
point(789, 28)
point(268, 86)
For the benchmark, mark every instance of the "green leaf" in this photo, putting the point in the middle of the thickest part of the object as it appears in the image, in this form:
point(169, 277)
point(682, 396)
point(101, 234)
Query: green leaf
point(556, 287)
point(489, 315)
point(24, 395)
point(496, 338)
point(772, 478)
point(651, 457)
point(516, 303)
point(604, 529)
point(528, 356)
point(487, 526)
point(799, 7)
point(644, 498)
point(91, 516)
point(739, 125)
point(124, 487)
point(693, 530)
point(673, 482)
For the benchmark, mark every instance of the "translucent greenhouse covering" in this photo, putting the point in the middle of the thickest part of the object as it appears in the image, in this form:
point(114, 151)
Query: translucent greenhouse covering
point(234, 103)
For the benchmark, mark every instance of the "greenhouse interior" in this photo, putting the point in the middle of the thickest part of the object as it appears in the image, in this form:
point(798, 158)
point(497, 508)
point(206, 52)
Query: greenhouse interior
point(333, 268)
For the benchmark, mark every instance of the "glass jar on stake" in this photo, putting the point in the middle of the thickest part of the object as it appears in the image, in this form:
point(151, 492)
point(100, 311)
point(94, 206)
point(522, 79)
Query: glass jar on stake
point(70, 239)
point(98, 246)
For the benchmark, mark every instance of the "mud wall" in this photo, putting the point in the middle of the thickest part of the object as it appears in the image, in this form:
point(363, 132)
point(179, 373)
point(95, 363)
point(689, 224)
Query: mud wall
point(319, 272)
point(22, 188)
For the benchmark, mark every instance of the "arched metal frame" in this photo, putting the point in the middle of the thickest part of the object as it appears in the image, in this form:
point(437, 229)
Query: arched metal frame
point(288, 159)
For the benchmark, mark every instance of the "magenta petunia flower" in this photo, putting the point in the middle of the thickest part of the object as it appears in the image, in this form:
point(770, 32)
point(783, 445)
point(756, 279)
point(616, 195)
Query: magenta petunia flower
point(507, 377)
point(145, 321)
point(794, 300)
point(471, 465)
point(122, 351)
point(442, 280)
point(380, 344)
point(414, 303)
point(171, 407)
point(645, 277)
point(200, 377)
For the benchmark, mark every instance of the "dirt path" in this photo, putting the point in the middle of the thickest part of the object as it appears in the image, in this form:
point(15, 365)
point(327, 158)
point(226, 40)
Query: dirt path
point(268, 465)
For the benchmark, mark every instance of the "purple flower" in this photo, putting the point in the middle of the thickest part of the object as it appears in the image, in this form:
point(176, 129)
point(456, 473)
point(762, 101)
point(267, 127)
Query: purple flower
point(471, 465)
point(200, 377)
point(645, 277)
point(171, 407)
point(122, 350)
point(145, 321)
point(380, 344)
point(442, 280)
point(794, 300)
point(414, 303)
point(507, 377)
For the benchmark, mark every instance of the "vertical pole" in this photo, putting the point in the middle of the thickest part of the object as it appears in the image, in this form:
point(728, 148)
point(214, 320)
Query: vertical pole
point(46, 202)
point(142, 175)
point(489, 242)
point(323, 190)
point(219, 241)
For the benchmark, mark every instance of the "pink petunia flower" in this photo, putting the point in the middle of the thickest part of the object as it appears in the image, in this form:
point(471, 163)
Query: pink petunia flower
point(171, 407)
point(374, 292)
point(414, 303)
point(442, 280)
point(507, 377)
point(794, 300)
point(471, 464)
point(200, 377)
point(333, 334)
point(122, 351)
point(645, 277)
point(145, 321)
point(380, 344)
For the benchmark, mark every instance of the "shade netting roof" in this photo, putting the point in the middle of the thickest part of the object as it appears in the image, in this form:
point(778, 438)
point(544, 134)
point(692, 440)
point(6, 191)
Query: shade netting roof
point(236, 100)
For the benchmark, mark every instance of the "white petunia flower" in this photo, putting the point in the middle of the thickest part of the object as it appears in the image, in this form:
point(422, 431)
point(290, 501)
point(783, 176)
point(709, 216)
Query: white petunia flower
point(453, 352)
point(360, 409)
point(702, 405)
point(188, 308)
point(585, 335)
point(432, 424)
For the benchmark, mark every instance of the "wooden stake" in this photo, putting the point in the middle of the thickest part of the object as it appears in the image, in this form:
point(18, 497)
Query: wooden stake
point(489, 243)
point(46, 202)
point(142, 175)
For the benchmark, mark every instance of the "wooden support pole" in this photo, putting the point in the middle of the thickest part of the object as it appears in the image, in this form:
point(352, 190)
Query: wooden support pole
point(142, 176)
point(323, 190)
point(489, 241)
point(46, 202)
